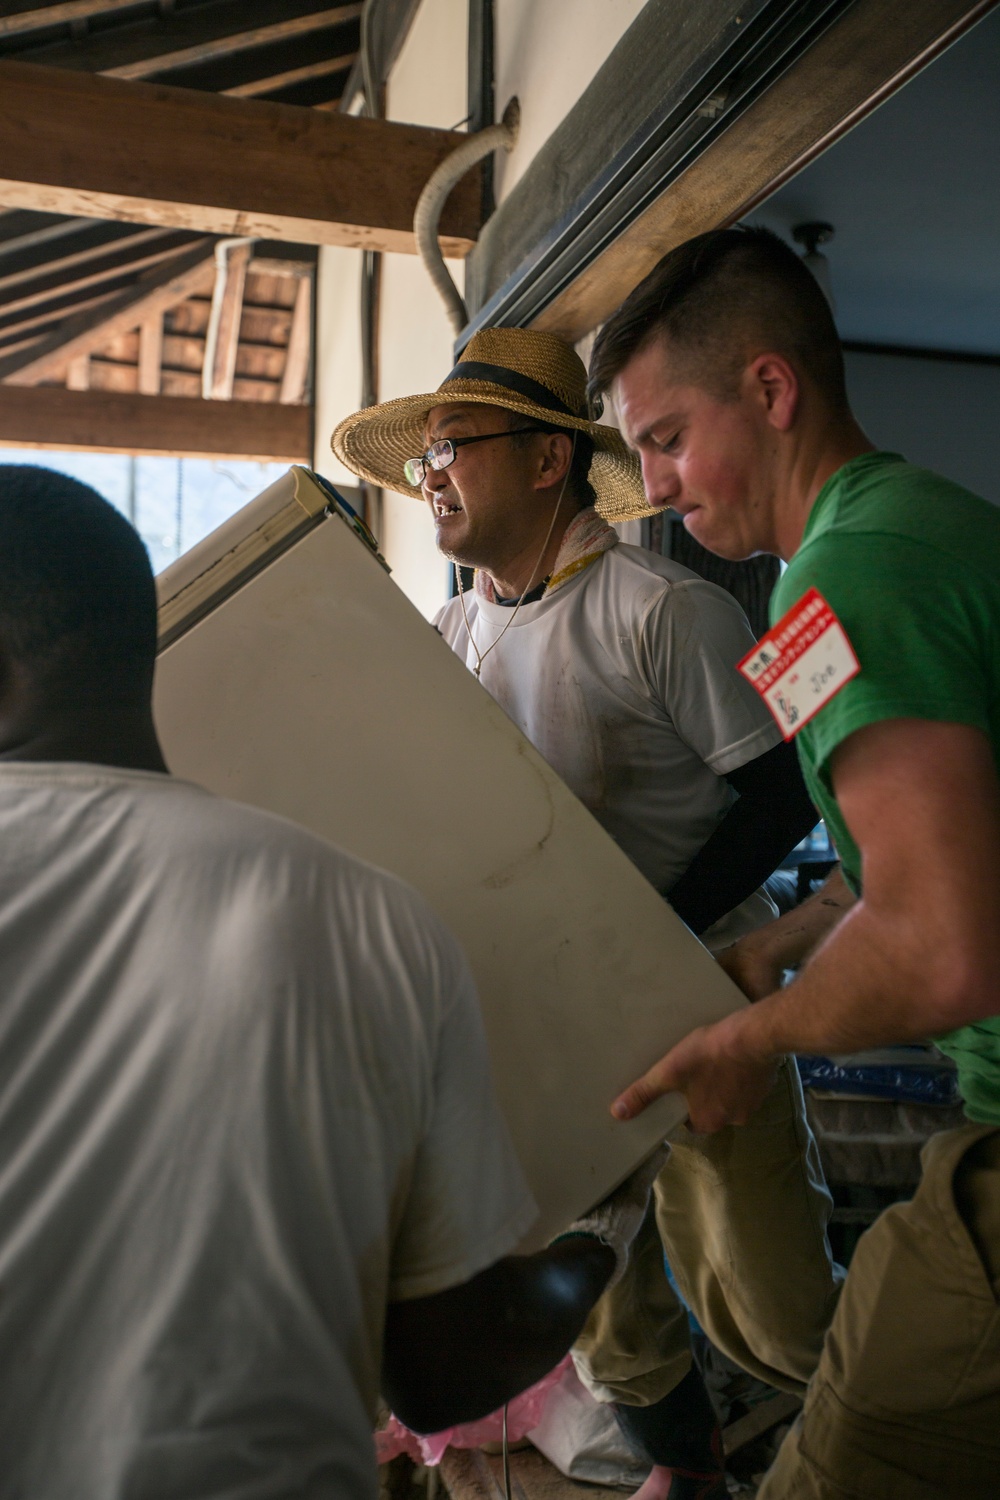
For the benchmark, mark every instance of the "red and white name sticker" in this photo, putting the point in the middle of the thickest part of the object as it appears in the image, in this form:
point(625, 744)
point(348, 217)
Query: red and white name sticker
point(801, 663)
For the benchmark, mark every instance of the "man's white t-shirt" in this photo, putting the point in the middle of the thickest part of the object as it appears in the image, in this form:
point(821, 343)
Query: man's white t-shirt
point(245, 1099)
point(625, 681)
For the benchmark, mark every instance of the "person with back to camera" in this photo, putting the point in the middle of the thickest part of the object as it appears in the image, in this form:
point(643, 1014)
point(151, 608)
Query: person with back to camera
point(253, 1170)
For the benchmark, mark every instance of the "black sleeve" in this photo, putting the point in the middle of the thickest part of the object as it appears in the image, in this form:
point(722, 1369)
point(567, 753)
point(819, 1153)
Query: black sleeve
point(771, 814)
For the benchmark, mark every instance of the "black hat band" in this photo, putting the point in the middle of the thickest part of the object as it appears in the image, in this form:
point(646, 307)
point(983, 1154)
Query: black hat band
point(522, 385)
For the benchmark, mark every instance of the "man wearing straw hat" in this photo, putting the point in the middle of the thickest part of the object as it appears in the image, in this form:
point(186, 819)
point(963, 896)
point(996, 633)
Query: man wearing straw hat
point(620, 667)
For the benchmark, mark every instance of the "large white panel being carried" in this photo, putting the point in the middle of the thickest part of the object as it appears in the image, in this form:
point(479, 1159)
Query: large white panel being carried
point(303, 681)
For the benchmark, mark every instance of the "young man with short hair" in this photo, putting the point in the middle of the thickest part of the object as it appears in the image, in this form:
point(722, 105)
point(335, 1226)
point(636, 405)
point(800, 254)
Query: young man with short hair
point(728, 377)
point(620, 668)
point(253, 1170)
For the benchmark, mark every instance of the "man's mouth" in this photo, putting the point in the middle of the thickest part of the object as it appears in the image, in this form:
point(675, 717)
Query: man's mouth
point(442, 508)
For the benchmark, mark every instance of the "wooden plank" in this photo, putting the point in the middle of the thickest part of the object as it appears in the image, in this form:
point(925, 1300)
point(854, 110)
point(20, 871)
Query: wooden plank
point(874, 49)
point(50, 317)
point(50, 417)
point(37, 18)
point(223, 335)
point(234, 41)
point(119, 273)
point(293, 381)
point(237, 167)
point(150, 354)
point(111, 246)
point(195, 34)
point(155, 292)
point(78, 373)
point(320, 69)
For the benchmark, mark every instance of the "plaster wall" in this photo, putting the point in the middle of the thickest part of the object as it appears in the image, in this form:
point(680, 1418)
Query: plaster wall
point(428, 86)
point(937, 413)
point(547, 52)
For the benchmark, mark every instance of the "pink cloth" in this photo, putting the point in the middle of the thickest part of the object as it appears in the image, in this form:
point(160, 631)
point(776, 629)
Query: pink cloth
point(585, 538)
point(523, 1413)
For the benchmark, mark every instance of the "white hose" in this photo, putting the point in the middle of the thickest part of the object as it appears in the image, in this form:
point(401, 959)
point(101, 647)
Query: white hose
point(436, 190)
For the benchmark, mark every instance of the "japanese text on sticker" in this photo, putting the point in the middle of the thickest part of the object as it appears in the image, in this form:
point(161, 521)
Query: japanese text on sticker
point(801, 662)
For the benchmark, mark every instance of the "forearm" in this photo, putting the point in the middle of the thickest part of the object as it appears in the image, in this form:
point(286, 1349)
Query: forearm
point(871, 983)
point(764, 955)
point(456, 1357)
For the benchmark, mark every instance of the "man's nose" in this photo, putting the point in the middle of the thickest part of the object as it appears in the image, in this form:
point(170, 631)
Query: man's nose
point(434, 480)
point(659, 479)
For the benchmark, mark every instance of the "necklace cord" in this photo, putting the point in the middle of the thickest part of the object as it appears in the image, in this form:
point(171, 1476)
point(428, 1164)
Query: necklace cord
point(482, 655)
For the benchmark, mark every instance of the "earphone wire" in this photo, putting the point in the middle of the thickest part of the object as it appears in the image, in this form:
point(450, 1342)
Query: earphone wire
point(481, 656)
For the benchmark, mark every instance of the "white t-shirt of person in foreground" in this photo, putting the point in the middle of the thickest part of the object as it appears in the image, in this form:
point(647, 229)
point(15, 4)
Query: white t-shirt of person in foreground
point(625, 680)
point(244, 1100)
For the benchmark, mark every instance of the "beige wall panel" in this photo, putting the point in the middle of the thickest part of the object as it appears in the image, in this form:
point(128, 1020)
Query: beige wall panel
point(338, 351)
point(428, 84)
point(318, 691)
point(547, 52)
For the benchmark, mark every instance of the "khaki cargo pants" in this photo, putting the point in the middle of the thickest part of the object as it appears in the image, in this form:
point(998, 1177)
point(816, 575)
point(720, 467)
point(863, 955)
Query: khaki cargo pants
point(905, 1404)
point(742, 1216)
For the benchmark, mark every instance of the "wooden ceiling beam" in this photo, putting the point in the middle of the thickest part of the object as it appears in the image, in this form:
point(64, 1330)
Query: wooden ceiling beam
point(296, 373)
point(872, 50)
point(69, 143)
point(158, 290)
point(189, 37)
point(320, 69)
point(236, 40)
point(115, 422)
point(40, 17)
point(119, 272)
point(223, 336)
point(150, 354)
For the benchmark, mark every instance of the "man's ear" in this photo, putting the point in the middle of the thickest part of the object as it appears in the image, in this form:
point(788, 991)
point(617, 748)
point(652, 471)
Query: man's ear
point(556, 457)
point(774, 383)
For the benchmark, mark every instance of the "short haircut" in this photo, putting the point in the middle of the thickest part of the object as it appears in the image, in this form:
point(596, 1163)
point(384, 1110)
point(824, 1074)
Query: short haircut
point(719, 300)
point(578, 482)
point(77, 597)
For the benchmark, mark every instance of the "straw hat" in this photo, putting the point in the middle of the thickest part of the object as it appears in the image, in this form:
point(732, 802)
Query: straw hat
point(535, 374)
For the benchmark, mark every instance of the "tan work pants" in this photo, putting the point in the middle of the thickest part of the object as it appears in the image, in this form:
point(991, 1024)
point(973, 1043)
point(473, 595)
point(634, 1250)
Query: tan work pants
point(905, 1404)
point(742, 1216)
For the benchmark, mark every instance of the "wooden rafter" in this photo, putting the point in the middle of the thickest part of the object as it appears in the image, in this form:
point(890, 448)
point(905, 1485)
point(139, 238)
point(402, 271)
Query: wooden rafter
point(160, 289)
point(229, 38)
point(150, 354)
point(322, 68)
point(36, 18)
point(296, 372)
point(223, 336)
point(69, 144)
point(117, 273)
point(111, 422)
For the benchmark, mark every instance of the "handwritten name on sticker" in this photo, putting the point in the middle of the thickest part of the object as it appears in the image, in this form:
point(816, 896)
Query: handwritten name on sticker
point(801, 663)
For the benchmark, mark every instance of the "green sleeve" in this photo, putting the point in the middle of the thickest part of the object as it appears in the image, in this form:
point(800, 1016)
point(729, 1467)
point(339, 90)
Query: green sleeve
point(923, 639)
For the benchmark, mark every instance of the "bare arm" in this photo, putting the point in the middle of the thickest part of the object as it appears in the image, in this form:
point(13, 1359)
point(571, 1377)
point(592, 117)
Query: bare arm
point(917, 956)
point(758, 961)
point(460, 1354)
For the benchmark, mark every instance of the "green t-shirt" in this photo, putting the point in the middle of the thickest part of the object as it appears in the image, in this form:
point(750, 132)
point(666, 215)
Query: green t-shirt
point(910, 564)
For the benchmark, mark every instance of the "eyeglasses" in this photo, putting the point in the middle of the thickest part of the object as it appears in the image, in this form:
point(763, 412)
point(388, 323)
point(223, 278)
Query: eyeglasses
point(442, 453)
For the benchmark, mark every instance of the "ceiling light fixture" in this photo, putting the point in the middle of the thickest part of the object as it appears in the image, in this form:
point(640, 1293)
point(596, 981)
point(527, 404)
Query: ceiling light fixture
point(810, 236)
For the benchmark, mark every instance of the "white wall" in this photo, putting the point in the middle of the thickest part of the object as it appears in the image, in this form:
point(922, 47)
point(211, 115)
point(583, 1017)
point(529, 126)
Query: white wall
point(546, 52)
point(942, 415)
point(338, 351)
point(548, 64)
point(427, 87)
